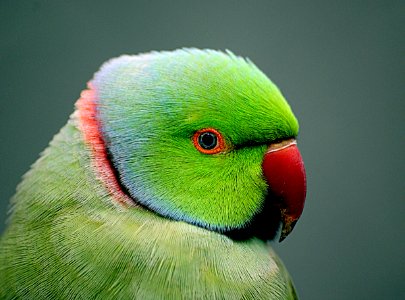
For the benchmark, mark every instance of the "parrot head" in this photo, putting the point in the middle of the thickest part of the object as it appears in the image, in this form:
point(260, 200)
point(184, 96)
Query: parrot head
point(203, 137)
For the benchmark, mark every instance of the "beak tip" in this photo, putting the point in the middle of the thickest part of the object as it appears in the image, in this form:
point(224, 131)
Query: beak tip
point(288, 226)
point(282, 237)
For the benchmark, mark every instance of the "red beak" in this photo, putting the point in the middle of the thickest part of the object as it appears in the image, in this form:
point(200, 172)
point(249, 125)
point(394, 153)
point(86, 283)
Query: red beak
point(284, 171)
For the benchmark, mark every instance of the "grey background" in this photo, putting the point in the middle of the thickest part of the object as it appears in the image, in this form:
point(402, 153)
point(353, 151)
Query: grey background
point(337, 62)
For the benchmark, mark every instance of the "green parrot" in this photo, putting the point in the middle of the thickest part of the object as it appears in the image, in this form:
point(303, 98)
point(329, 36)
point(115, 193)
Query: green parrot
point(168, 181)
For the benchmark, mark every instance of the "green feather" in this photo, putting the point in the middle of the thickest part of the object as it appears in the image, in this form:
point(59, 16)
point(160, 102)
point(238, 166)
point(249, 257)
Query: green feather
point(152, 104)
point(69, 239)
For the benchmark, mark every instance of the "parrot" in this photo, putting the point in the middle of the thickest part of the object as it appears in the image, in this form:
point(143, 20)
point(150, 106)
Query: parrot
point(171, 178)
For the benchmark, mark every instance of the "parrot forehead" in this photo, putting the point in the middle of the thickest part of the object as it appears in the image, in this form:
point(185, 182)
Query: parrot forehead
point(190, 89)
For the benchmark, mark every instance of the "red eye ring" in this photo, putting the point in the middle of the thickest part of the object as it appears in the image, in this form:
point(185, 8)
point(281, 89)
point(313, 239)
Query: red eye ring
point(209, 141)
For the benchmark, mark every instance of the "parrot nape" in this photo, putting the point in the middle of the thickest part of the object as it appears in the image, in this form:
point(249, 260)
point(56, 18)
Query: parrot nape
point(167, 182)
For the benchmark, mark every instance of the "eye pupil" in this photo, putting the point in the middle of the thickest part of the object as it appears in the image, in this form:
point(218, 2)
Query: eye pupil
point(207, 140)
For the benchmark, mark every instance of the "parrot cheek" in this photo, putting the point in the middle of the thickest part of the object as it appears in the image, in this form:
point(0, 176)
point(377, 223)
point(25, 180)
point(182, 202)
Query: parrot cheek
point(284, 171)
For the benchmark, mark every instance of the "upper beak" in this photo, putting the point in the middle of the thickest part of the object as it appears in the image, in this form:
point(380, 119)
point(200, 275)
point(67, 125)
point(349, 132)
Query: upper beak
point(284, 171)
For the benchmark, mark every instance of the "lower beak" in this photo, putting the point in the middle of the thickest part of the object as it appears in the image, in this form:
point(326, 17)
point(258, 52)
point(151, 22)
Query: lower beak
point(284, 171)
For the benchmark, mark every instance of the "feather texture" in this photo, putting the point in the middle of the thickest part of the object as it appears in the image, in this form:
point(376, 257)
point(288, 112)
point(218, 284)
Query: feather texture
point(69, 237)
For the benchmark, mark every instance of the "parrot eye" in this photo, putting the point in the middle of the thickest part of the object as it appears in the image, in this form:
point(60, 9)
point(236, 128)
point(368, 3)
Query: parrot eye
point(208, 141)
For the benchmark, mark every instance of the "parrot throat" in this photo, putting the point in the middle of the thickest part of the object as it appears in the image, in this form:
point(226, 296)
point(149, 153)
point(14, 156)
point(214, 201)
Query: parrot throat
point(90, 127)
point(264, 225)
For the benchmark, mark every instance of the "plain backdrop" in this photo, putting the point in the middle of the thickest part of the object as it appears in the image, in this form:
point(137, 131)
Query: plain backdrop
point(340, 64)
